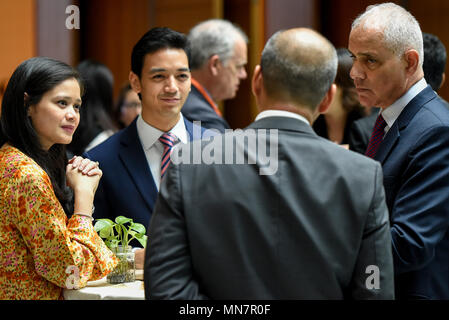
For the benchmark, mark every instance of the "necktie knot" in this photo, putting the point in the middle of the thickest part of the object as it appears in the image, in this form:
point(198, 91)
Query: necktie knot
point(376, 136)
point(168, 140)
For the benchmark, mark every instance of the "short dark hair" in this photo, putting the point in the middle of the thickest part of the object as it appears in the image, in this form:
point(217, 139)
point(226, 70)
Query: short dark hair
point(154, 40)
point(35, 77)
point(434, 60)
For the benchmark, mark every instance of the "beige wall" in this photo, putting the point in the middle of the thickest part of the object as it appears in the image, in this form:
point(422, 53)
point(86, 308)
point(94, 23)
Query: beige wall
point(17, 35)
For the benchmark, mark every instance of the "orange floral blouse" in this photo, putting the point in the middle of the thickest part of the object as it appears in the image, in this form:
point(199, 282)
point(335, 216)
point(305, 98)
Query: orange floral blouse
point(41, 250)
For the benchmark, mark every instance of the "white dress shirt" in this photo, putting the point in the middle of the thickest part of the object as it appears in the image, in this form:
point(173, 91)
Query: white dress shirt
point(153, 148)
point(281, 113)
point(392, 112)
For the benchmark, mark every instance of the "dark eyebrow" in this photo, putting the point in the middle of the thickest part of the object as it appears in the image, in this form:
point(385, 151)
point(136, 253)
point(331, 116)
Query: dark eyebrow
point(68, 98)
point(155, 70)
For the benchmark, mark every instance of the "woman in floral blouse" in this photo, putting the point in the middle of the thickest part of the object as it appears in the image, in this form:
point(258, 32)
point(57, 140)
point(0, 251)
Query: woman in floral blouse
point(43, 251)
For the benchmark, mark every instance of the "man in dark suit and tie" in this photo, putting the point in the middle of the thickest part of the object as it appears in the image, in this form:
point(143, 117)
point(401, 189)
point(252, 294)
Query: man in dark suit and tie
point(411, 141)
point(134, 159)
point(218, 59)
point(434, 66)
point(307, 220)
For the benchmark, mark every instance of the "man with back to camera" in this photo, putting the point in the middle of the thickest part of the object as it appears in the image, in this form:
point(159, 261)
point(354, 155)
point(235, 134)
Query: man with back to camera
point(218, 59)
point(411, 141)
point(300, 231)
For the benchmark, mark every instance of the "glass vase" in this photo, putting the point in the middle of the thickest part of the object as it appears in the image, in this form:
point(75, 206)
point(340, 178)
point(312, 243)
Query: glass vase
point(125, 271)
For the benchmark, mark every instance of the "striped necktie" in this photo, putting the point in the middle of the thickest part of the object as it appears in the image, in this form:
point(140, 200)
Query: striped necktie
point(168, 139)
point(376, 137)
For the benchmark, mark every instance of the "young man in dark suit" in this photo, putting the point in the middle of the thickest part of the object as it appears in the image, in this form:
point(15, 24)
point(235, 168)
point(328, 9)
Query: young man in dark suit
point(134, 159)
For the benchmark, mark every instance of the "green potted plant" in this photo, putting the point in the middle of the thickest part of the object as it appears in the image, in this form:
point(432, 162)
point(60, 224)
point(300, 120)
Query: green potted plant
point(117, 236)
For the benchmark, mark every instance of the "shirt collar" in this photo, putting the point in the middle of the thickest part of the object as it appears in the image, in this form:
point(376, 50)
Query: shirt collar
point(391, 113)
point(281, 113)
point(148, 134)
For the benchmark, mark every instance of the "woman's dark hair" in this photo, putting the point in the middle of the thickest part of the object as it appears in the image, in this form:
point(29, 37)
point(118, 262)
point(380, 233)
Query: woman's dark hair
point(35, 77)
point(350, 99)
point(96, 112)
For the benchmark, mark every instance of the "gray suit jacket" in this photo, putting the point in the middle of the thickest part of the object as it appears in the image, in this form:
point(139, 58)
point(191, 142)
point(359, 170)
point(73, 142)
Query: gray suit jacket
point(314, 226)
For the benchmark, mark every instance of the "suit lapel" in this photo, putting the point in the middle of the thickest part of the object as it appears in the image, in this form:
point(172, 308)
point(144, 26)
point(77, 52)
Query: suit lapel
point(410, 110)
point(387, 144)
point(133, 158)
point(189, 129)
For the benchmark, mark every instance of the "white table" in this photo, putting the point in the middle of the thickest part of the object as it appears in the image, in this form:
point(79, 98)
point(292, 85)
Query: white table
point(102, 290)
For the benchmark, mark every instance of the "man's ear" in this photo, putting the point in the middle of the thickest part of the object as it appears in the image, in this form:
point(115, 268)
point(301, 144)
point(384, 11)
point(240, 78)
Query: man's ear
point(134, 81)
point(257, 81)
point(327, 100)
point(412, 59)
point(443, 79)
point(214, 65)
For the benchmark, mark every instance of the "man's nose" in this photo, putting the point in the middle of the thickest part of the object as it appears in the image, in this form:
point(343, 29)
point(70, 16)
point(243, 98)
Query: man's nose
point(356, 72)
point(243, 74)
point(170, 85)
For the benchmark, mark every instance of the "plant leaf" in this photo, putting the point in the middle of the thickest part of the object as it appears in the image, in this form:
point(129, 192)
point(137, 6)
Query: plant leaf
point(138, 227)
point(142, 240)
point(122, 220)
point(105, 232)
point(102, 223)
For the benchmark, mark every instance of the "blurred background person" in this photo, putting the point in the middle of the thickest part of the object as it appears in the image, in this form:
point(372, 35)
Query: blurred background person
point(128, 106)
point(218, 56)
point(434, 61)
point(96, 124)
point(38, 241)
point(335, 124)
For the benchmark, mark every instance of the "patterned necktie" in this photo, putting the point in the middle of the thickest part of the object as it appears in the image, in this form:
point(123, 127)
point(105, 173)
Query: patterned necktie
point(168, 139)
point(376, 137)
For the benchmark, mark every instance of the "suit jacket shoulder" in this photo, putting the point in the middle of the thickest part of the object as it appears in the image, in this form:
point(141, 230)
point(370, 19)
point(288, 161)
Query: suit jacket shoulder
point(196, 108)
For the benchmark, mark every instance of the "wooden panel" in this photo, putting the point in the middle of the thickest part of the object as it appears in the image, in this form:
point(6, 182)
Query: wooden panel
point(109, 30)
point(432, 16)
point(54, 40)
point(286, 14)
point(181, 15)
point(249, 16)
point(337, 17)
point(17, 33)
